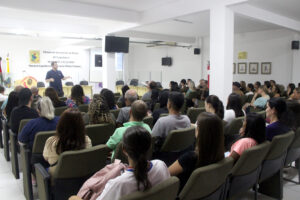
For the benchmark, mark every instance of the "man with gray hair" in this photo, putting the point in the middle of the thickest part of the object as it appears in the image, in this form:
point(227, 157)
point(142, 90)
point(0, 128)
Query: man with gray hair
point(130, 97)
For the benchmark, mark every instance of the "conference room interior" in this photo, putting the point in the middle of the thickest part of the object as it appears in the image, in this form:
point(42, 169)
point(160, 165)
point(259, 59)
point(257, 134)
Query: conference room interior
point(111, 43)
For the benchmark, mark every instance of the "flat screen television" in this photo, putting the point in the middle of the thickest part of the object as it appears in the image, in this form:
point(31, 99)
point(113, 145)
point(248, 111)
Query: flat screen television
point(166, 61)
point(116, 44)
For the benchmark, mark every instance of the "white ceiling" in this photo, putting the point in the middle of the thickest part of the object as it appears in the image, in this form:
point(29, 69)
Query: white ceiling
point(134, 5)
point(198, 25)
point(288, 8)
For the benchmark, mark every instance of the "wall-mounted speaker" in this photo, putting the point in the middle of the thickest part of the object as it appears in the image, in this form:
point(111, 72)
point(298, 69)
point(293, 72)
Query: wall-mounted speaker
point(295, 45)
point(98, 60)
point(197, 51)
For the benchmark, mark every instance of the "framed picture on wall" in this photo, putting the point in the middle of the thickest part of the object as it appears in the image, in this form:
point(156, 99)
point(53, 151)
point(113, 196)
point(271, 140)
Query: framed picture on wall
point(234, 68)
point(266, 68)
point(253, 68)
point(242, 68)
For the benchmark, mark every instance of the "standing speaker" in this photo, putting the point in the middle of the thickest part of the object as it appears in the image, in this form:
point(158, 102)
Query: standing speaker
point(197, 51)
point(295, 45)
point(98, 60)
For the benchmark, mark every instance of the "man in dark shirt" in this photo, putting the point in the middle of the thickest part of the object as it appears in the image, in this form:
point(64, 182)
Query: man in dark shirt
point(54, 77)
point(23, 111)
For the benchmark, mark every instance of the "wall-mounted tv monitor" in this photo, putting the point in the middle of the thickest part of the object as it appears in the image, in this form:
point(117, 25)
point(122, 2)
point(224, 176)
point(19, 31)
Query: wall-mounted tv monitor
point(166, 61)
point(116, 44)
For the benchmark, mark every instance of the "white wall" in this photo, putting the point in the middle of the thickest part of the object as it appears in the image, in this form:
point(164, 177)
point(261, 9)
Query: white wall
point(18, 48)
point(144, 63)
point(264, 46)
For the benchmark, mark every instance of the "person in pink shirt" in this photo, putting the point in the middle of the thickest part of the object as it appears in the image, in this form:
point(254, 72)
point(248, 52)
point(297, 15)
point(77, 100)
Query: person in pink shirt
point(253, 132)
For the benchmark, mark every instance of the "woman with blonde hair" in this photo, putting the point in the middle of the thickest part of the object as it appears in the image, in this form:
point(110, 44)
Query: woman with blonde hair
point(46, 122)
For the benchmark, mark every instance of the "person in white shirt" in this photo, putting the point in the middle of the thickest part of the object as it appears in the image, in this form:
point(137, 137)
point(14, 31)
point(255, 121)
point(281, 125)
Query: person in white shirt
point(141, 174)
point(2, 96)
point(250, 89)
point(233, 108)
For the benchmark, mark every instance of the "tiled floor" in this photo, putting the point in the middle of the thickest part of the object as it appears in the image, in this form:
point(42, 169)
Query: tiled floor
point(12, 189)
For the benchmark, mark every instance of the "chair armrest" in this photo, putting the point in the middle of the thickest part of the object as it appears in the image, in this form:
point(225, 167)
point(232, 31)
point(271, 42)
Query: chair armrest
point(43, 182)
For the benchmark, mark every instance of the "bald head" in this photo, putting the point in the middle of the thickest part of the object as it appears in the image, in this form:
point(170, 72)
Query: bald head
point(138, 110)
point(130, 96)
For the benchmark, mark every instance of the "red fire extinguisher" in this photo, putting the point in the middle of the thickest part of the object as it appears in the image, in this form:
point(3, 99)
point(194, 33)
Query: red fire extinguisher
point(208, 68)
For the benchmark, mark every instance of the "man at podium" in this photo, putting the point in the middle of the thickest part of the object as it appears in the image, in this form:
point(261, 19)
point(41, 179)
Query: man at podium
point(54, 77)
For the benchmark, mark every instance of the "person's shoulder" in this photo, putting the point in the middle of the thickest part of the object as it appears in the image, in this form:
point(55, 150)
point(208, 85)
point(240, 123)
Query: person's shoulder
point(159, 163)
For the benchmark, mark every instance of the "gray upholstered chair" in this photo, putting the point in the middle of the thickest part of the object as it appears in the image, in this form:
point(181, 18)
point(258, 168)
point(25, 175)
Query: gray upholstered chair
point(148, 120)
point(72, 170)
point(166, 190)
point(5, 139)
point(234, 126)
point(59, 110)
point(193, 113)
point(115, 112)
point(99, 133)
point(83, 108)
point(208, 182)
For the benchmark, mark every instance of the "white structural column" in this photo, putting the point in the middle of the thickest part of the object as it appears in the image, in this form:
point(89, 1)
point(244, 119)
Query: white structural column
point(109, 69)
point(296, 63)
point(221, 51)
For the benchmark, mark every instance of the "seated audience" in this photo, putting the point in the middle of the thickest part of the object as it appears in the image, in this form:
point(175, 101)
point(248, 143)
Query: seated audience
point(214, 105)
point(236, 88)
point(253, 132)
point(23, 111)
point(70, 135)
point(52, 94)
point(141, 173)
point(154, 99)
point(130, 97)
point(191, 89)
point(290, 89)
point(280, 118)
point(267, 86)
point(99, 111)
point(260, 102)
point(174, 87)
point(276, 91)
point(204, 90)
point(250, 89)
point(174, 120)
point(273, 83)
point(121, 100)
point(35, 97)
point(243, 86)
point(138, 111)
point(209, 148)
point(17, 89)
point(233, 108)
point(183, 87)
point(151, 86)
point(77, 97)
point(2, 96)
point(12, 102)
point(110, 98)
point(46, 122)
point(296, 95)
point(257, 84)
point(163, 100)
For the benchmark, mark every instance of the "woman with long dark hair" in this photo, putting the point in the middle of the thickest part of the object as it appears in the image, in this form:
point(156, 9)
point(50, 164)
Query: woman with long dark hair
point(77, 97)
point(290, 89)
point(70, 135)
point(12, 102)
point(163, 100)
point(214, 105)
point(121, 99)
point(109, 97)
point(253, 132)
point(209, 147)
point(233, 108)
point(52, 94)
point(281, 120)
point(141, 174)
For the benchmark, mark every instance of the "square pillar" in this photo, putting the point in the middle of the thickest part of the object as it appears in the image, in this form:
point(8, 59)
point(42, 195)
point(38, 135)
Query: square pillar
point(109, 69)
point(221, 51)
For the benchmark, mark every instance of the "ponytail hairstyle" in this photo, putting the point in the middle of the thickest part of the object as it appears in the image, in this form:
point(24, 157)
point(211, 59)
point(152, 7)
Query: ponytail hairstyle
point(215, 102)
point(284, 115)
point(255, 127)
point(137, 145)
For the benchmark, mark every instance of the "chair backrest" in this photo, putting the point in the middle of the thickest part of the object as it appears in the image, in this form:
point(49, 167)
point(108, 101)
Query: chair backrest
point(40, 140)
point(88, 162)
point(99, 133)
point(262, 113)
point(83, 108)
point(62, 98)
point(148, 120)
point(69, 83)
point(134, 82)
point(163, 114)
point(40, 84)
point(279, 145)
point(166, 190)
point(251, 159)
point(208, 178)
point(120, 82)
point(244, 99)
point(23, 122)
point(234, 126)
point(193, 113)
point(115, 112)
point(296, 141)
point(178, 140)
point(84, 83)
point(59, 110)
